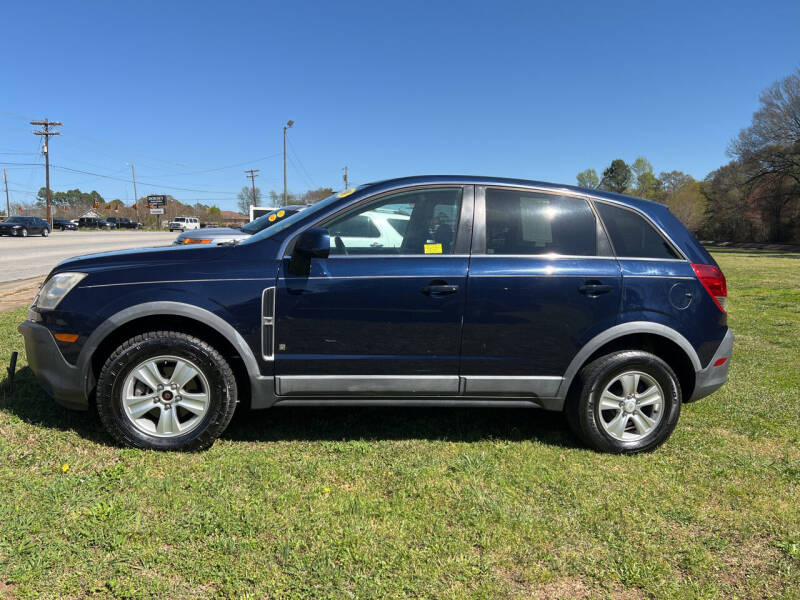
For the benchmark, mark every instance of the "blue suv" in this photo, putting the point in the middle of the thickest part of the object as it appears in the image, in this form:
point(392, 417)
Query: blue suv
point(438, 290)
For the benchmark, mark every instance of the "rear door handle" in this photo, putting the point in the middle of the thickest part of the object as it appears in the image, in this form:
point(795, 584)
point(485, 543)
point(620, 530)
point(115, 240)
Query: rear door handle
point(593, 288)
point(439, 288)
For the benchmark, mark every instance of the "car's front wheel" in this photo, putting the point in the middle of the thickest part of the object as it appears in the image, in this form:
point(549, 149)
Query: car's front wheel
point(23, 232)
point(166, 390)
point(628, 402)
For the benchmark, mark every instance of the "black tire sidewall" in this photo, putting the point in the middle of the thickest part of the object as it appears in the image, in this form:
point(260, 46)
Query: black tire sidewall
point(122, 362)
point(600, 373)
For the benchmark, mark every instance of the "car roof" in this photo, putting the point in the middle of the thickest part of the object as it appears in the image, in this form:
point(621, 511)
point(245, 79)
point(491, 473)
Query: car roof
point(507, 181)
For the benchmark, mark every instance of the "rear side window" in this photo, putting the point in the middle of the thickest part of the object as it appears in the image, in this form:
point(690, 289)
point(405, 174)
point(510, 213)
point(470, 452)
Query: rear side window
point(631, 235)
point(519, 222)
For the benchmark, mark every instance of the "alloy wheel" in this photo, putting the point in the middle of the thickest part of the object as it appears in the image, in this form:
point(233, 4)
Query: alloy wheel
point(165, 396)
point(631, 406)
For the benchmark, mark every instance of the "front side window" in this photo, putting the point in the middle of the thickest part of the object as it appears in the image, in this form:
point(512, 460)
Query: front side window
point(631, 235)
point(414, 222)
point(530, 223)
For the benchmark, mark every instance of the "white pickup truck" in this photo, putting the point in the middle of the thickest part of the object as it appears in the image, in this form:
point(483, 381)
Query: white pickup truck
point(184, 223)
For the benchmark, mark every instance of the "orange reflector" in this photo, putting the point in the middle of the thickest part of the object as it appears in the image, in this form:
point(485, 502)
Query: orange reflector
point(195, 241)
point(66, 337)
point(720, 361)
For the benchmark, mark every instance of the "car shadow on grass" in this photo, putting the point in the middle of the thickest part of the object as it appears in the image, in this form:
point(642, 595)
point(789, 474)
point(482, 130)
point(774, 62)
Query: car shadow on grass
point(32, 405)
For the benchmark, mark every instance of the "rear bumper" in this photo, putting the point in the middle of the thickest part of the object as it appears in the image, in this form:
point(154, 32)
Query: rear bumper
point(711, 378)
point(60, 379)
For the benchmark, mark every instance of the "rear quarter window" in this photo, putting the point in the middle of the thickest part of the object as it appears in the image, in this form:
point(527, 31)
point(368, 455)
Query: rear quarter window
point(631, 235)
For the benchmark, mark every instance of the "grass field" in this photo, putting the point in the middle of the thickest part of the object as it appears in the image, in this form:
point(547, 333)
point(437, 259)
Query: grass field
point(390, 503)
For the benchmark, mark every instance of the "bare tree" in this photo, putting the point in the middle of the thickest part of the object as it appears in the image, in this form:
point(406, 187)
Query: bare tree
point(246, 199)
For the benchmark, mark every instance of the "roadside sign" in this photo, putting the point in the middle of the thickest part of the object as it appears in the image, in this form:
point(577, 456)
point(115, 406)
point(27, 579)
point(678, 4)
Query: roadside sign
point(156, 200)
point(156, 211)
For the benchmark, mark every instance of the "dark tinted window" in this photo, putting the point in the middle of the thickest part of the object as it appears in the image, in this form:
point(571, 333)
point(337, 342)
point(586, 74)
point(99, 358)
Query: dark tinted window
point(631, 235)
point(535, 223)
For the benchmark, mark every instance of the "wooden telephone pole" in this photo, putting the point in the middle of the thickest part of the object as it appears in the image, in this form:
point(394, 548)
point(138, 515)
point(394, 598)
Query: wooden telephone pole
point(8, 203)
point(346, 180)
point(252, 174)
point(46, 125)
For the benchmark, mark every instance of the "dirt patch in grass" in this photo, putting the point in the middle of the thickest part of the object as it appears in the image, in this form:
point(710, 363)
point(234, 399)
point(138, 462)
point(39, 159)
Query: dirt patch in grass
point(18, 293)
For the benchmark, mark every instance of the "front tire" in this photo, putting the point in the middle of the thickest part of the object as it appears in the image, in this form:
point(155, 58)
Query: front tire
point(628, 402)
point(165, 390)
point(23, 232)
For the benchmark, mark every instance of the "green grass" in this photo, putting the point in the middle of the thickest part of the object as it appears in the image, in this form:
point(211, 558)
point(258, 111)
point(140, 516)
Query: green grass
point(390, 503)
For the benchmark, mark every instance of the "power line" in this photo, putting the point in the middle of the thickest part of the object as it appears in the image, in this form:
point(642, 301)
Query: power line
point(308, 178)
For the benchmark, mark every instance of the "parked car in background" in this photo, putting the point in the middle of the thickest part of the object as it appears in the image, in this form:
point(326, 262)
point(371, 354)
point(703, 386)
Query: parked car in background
point(494, 293)
point(64, 225)
point(93, 223)
point(123, 223)
point(184, 223)
point(24, 226)
point(221, 235)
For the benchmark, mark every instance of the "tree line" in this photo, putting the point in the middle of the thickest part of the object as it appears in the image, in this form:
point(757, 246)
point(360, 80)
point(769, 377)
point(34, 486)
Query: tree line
point(246, 197)
point(753, 198)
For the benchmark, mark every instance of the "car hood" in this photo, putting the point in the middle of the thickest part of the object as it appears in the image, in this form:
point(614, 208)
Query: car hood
point(166, 256)
point(216, 234)
point(5, 224)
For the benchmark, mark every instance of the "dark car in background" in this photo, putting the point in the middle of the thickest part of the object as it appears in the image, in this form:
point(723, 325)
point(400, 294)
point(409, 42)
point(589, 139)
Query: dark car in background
point(93, 223)
point(123, 223)
point(490, 293)
point(64, 225)
point(220, 235)
point(24, 226)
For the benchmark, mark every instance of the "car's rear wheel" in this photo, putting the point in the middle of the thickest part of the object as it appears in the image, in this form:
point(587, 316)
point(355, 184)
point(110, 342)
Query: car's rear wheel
point(628, 402)
point(45, 232)
point(166, 390)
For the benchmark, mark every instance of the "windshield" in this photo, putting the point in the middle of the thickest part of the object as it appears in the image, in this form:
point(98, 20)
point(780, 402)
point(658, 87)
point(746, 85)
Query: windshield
point(279, 226)
point(15, 220)
point(268, 220)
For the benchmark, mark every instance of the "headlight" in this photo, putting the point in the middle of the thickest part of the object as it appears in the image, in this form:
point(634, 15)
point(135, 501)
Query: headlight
point(58, 286)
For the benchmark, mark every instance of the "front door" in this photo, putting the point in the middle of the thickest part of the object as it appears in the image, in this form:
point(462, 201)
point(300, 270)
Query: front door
point(542, 282)
point(382, 314)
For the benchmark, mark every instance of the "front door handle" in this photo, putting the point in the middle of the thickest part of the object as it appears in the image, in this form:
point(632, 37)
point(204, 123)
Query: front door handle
point(594, 288)
point(439, 288)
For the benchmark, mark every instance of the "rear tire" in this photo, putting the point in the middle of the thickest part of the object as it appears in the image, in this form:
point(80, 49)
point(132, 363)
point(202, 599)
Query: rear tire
point(45, 232)
point(143, 402)
point(628, 402)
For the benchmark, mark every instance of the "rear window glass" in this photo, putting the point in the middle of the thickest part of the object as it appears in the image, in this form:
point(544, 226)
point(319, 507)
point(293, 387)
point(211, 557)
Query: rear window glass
point(519, 222)
point(632, 235)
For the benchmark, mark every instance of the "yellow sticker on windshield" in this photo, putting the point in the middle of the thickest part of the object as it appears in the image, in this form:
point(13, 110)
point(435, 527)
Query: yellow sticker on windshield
point(433, 248)
point(271, 218)
point(345, 193)
point(281, 213)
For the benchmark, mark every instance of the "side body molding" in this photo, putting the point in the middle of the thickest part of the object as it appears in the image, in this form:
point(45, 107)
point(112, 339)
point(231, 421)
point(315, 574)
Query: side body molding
point(621, 330)
point(262, 388)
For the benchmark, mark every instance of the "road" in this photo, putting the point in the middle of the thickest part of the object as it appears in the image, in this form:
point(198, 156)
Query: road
point(34, 256)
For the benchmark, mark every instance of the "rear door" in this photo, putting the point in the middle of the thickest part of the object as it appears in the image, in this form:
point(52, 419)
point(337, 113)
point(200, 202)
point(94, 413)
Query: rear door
point(382, 314)
point(542, 282)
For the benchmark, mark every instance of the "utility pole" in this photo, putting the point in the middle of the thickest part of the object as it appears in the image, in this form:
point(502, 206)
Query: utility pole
point(252, 174)
point(8, 203)
point(135, 196)
point(346, 181)
point(46, 125)
point(288, 124)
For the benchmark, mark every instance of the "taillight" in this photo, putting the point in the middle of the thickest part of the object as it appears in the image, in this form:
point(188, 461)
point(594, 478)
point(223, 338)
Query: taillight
point(714, 281)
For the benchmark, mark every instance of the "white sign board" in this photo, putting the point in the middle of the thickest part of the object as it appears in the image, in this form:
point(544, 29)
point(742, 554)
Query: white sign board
point(156, 211)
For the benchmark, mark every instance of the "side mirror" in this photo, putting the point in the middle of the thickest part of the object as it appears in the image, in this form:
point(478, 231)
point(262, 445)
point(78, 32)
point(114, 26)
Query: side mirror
point(312, 243)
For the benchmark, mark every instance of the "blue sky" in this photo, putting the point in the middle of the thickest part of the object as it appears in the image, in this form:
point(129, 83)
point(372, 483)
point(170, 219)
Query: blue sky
point(521, 89)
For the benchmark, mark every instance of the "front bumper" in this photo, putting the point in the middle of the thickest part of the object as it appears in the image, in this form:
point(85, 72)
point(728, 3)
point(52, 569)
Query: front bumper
point(60, 379)
point(711, 378)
